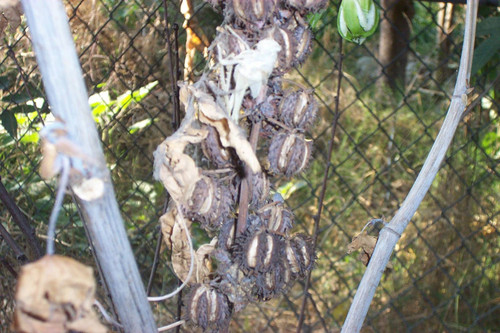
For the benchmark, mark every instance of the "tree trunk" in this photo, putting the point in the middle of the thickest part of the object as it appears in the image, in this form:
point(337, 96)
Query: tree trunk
point(395, 29)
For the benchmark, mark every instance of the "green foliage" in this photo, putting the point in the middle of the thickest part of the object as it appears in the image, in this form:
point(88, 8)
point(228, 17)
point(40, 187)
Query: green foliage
point(489, 48)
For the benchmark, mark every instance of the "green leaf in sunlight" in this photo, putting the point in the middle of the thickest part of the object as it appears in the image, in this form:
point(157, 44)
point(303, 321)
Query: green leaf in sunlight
point(287, 189)
point(139, 125)
point(30, 138)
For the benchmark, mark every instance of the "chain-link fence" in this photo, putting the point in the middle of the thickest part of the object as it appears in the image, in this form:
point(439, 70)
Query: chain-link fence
point(395, 90)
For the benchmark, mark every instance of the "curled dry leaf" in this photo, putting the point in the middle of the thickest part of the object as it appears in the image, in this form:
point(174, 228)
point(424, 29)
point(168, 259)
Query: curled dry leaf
point(55, 294)
point(252, 68)
point(230, 134)
point(175, 239)
point(175, 169)
point(50, 165)
point(365, 244)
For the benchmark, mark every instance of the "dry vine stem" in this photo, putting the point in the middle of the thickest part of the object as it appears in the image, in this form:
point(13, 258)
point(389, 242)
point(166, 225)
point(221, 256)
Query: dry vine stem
point(391, 233)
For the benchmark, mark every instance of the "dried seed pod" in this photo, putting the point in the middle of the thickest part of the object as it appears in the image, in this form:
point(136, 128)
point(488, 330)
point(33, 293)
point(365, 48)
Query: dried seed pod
point(235, 284)
point(287, 53)
point(208, 308)
point(272, 283)
point(289, 153)
point(230, 42)
point(257, 252)
point(255, 11)
point(226, 234)
point(210, 203)
point(307, 5)
point(303, 36)
point(277, 217)
point(261, 188)
point(212, 148)
point(299, 255)
point(298, 109)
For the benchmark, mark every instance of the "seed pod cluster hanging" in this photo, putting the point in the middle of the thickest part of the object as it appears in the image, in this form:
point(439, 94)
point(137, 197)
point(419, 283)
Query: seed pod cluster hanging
point(250, 130)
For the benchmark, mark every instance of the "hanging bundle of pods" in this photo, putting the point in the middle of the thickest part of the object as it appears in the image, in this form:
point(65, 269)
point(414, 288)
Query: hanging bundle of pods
point(250, 130)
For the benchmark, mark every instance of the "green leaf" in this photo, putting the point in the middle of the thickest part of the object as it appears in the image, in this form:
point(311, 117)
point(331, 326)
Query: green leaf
point(30, 138)
point(490, 143)
point(9, 122)
point(484, 52)
point(24, 108)
point(123, 101)
point(287, 189)
point(4, 82)
point(488, 26)
point(18, 98)
point(139, 125)
point(313, 19)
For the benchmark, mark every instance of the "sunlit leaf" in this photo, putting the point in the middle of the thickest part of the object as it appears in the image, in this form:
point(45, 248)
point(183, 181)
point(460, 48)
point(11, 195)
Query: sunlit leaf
point(139, 125)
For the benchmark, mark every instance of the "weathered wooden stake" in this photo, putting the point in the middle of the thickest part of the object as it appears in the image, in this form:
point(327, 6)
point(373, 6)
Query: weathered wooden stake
point(67, 95)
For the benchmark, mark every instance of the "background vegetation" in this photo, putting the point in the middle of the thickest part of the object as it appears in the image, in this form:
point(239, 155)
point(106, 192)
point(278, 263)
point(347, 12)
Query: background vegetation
point(445, 271)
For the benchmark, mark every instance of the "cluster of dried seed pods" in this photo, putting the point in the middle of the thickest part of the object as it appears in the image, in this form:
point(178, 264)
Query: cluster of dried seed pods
point(239, 101)
point(207, 307)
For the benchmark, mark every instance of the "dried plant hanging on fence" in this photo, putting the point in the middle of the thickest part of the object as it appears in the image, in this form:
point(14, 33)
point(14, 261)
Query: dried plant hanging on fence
point(56, 294)
point(250, 124)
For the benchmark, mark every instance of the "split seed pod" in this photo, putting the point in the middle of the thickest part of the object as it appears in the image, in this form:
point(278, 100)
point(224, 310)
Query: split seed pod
point(210, 203)
point(226, 234)
point(298, 109)
point(288, 48)
point(299, 255)
point(258, 252)
point(272, 283)
point(254, 11)
point(303, 37)
point(214, 151)
point(207, 307)
point(261, 188)
point(277, 217)
point(289, 153)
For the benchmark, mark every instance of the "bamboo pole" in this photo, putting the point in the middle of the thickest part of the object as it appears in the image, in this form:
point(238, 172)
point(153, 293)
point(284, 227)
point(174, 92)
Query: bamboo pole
point(67, 95)
point(391, 233)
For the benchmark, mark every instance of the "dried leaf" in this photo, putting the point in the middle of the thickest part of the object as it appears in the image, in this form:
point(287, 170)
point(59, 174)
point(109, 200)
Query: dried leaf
point(50, 165)
point(252, 68)
point(230, 134)
point(365, 243)
point(55, 294)
point(175, 169)
point(176, 240)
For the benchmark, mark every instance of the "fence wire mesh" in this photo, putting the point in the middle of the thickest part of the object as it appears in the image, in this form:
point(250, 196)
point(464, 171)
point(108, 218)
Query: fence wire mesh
point(444, 274)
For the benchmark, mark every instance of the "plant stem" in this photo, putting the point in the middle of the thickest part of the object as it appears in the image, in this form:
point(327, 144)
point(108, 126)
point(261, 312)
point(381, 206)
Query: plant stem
point(317, 217)
point(21, 221)
point(13, 244)
point(173, 71)
point(391, 233)
point(246, 186)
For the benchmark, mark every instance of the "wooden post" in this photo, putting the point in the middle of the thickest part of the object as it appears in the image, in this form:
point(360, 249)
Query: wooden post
point(67, 95)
